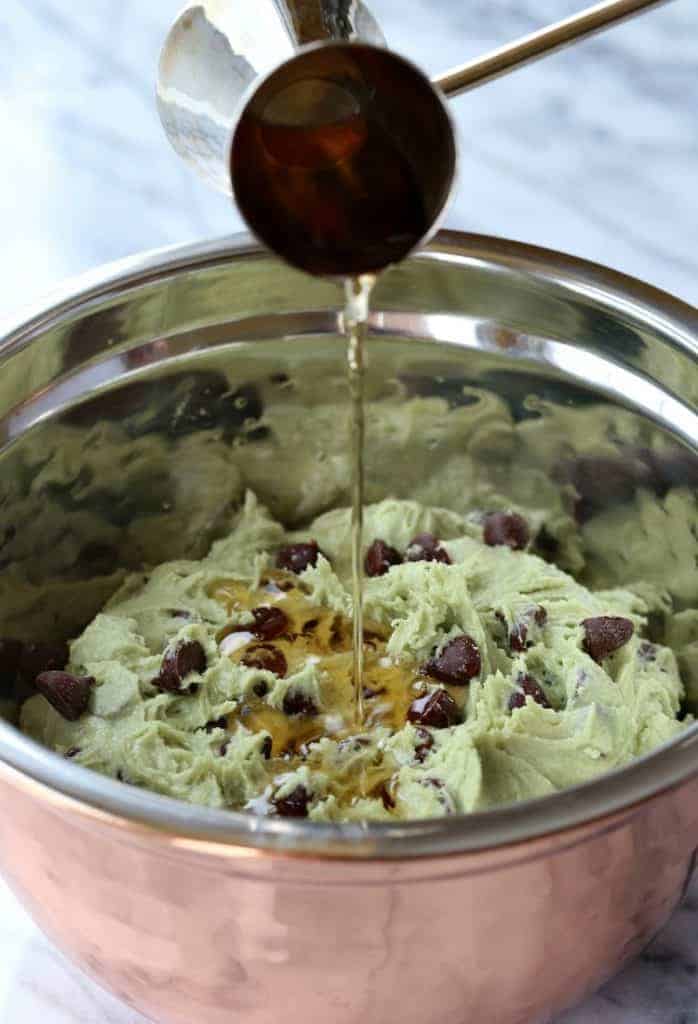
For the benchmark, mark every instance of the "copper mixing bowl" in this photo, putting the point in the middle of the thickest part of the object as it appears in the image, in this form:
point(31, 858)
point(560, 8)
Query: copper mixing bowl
point(118, 404)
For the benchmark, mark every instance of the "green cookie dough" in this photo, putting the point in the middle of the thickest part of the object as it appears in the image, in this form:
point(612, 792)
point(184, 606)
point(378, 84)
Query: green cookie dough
point(202, 746)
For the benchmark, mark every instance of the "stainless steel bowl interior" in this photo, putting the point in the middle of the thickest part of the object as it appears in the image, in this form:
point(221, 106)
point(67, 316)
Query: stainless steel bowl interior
point(137, 406)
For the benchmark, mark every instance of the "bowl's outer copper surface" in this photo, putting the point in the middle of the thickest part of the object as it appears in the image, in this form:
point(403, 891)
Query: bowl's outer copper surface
point(189, 931)
point(111, 400)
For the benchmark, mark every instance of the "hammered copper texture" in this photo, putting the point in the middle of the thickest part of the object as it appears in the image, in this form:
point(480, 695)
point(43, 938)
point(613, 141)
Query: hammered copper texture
point(464, 920)
point(189, 931)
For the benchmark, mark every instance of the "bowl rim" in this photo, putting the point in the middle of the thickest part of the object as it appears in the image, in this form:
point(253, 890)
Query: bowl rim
point(667, 767)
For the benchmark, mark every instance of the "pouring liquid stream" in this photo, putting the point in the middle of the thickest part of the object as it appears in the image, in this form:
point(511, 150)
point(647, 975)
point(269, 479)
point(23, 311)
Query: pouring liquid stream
point(354, 325)
point(331, 180)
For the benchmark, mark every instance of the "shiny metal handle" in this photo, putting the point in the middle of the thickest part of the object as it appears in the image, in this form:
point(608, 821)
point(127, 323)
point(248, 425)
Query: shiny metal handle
point(538, 44)
point(310, 21)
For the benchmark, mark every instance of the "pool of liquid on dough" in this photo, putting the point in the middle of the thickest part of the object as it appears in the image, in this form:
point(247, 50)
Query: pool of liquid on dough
point(316, 632)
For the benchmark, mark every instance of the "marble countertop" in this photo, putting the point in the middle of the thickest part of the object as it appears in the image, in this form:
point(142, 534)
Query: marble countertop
point(593, 151)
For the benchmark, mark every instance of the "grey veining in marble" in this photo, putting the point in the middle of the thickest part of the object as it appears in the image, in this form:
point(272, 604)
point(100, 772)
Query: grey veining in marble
point(593, 151)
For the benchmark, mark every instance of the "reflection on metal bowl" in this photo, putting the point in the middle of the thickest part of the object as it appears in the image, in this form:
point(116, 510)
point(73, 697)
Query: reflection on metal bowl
point(135, 410)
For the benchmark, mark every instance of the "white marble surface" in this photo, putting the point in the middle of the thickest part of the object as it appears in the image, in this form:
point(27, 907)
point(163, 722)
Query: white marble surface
point(594, 151)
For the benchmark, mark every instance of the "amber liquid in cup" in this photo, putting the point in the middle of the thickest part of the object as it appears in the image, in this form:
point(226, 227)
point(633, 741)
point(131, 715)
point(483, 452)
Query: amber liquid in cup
point(326, 177)
point(325, 182)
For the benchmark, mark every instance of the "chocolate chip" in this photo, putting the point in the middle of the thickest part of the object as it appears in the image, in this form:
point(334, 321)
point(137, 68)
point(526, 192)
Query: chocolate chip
point(310, 626)
point(204, 402)
point(686, 708)
point(604, 634)
point(187, 656)
point(298, 703)
point(355, 744)
point(265, 749)
point(425, 547)
point(336, 632)
point(179, 613)
point(116, 404)
point(297, 557)
point(368, 693)
point(528, 687)
point(437, 709)
point(268, 623)
point(442, 793)
point(647, 651)
point(547, 545)
point(10, 654)
point(97, 556)
point(67, 693)
point(268, 658)
point(673, 467)
point(217, 723)
point(582, 510)
point(39, 657)
point(518, 637)
point(379, 558)
point(600, 481)
point(260, 689)
point(426, 742)
point(257, 434)
point(371, 639)
point(72, 752)
point(383, 794)
point(458, 662)
point(506, 528)
point(294, 804)
point(9, 534)
point(34, 659)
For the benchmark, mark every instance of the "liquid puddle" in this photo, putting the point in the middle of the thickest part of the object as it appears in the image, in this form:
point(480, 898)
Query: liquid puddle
point(357, 767)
